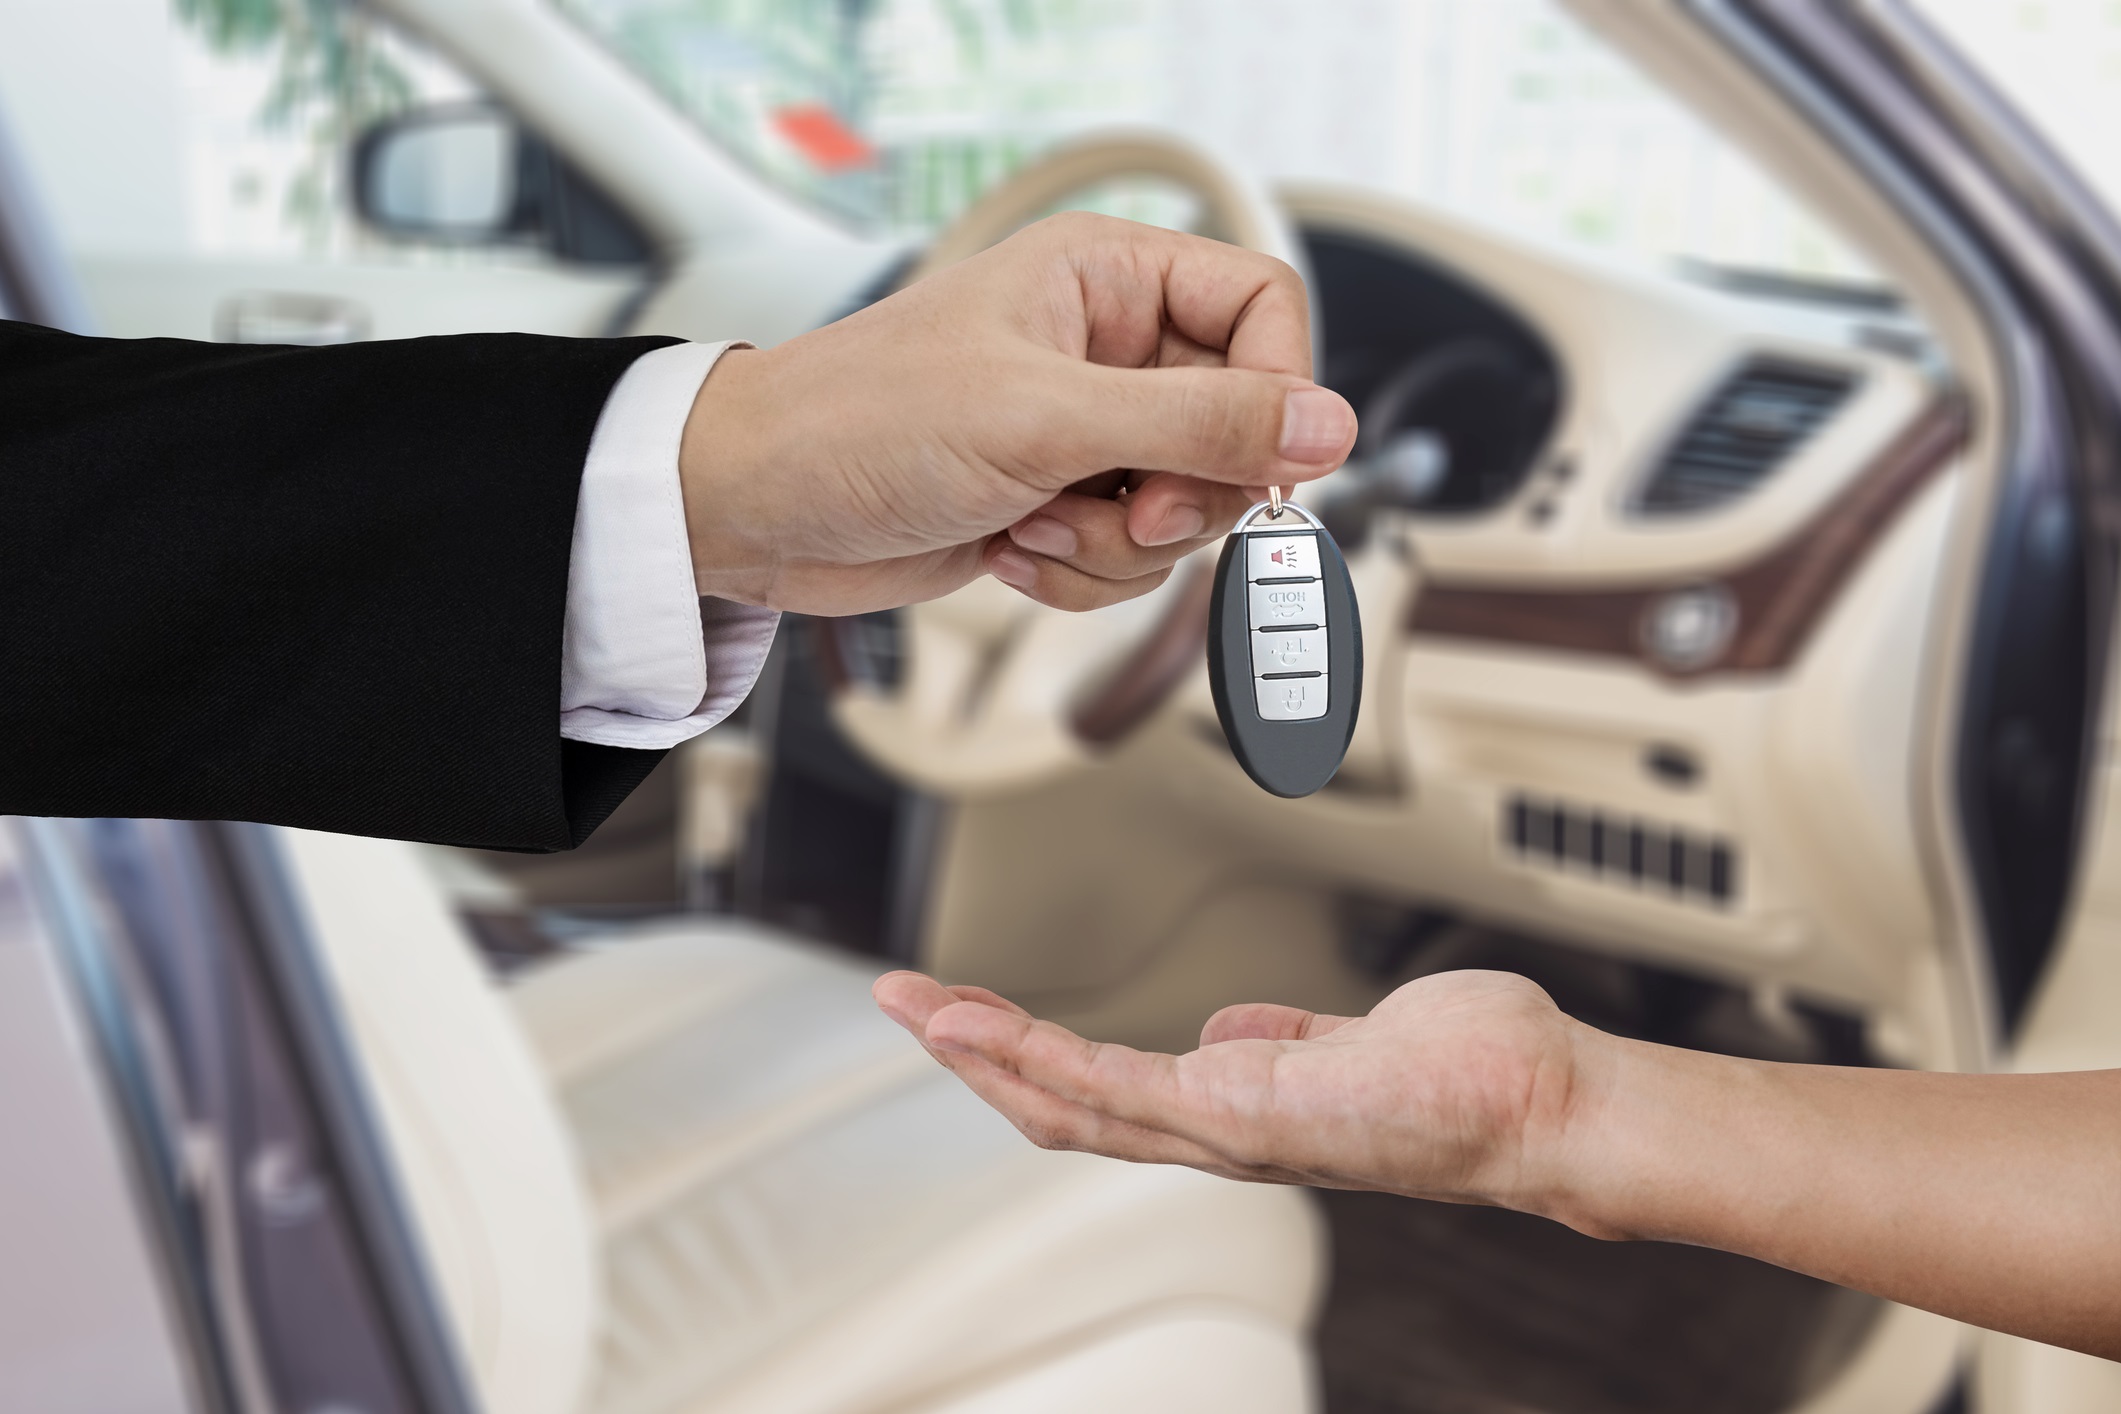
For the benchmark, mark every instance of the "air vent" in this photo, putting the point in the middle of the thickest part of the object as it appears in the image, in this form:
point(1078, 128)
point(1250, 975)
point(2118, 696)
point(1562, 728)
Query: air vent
point(1623, 850)
point(1749, 428)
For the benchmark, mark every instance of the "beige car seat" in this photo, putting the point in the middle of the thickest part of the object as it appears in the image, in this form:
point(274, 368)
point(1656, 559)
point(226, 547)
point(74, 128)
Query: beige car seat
point(694, 1170)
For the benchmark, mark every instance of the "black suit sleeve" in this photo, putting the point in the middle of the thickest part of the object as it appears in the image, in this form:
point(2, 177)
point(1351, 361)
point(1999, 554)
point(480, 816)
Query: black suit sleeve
point(319, 587)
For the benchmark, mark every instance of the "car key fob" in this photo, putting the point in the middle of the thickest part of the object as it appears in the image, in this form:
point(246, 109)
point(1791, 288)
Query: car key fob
point(1285, 649)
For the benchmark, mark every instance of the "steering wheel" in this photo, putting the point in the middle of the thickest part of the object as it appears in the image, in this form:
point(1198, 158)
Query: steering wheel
point(997, 692)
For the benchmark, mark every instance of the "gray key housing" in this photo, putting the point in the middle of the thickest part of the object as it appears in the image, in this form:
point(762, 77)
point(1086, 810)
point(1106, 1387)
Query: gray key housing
point(1285, 651)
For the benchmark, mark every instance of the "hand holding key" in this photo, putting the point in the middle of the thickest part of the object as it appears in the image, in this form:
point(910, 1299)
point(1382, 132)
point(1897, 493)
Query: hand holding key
point(982, 420)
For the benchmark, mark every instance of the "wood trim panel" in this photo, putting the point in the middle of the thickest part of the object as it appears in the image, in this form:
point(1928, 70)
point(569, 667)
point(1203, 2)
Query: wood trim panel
point(1780, 597)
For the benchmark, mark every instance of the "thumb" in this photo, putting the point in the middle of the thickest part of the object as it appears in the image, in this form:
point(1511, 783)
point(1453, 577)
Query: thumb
point(1264, 1021)
point(1234, 425)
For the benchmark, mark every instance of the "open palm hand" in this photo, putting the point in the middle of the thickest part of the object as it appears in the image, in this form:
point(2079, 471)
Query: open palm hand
point(1449, 1089)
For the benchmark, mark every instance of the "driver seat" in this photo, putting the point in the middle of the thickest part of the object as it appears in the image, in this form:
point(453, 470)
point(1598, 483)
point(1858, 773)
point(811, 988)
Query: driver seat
point(694, 1169)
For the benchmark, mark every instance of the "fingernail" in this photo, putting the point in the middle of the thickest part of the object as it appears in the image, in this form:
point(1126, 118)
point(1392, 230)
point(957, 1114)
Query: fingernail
point(1013, 569)
point(1043, 535)
point(895, 1014)
point(1178, 523)
point(951, 1046)
point(1316, 423)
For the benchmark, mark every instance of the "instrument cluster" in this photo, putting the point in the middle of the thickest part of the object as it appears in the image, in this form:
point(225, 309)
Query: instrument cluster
point(1456, 393)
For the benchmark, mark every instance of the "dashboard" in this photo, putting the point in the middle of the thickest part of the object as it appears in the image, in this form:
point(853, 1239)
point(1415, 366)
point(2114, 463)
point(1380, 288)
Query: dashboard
point(1646, 574)
point(1646, 569)
point(1456, 394)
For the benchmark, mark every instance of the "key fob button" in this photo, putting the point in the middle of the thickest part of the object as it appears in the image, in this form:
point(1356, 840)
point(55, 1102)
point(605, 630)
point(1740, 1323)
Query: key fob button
point(1288, 605)
point(1291, 699)
point(1289, 651)
point(1281, 557)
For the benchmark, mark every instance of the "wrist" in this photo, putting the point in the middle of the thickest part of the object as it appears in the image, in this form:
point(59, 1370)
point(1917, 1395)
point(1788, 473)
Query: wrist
point(1660, 1143)
point(1594, 1163)
point(1562, 1136)
point(721, 471)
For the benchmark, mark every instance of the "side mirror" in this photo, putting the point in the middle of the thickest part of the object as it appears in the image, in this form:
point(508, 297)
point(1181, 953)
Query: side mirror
point(468, 174)
point(446, 173)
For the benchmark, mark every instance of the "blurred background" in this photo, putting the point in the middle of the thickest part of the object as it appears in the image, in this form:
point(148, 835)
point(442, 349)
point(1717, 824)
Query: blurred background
point(216, 127)
point(197, 160)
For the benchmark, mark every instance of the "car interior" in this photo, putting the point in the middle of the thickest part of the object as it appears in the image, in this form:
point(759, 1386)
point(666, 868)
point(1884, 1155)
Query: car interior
point(1658, 570)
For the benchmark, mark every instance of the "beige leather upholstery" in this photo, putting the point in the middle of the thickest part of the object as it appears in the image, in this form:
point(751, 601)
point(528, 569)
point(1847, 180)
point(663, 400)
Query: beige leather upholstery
point(716, 1179)
point(486, 1164)
point(800, 1211)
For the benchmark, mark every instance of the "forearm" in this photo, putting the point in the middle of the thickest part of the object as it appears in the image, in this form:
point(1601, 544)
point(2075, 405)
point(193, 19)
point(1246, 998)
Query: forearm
point(1993, 1199)
point(322, 587)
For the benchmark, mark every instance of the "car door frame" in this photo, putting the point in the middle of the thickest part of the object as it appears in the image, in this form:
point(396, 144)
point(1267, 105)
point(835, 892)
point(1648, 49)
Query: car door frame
point(2023, 264)
point(251, 1167)
point(177, 1048)
point(2018, 745)
point(1864, 108)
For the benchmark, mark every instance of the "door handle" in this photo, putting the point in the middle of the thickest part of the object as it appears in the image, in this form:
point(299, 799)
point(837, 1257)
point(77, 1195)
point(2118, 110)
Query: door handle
point(287, 317)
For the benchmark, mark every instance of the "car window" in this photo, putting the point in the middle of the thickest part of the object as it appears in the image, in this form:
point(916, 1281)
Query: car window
point(207, 128)
point(2059, 61)
point(897, 113)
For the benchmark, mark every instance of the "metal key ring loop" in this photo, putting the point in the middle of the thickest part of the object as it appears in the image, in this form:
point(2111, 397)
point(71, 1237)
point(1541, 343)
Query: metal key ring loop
point(1244, 522)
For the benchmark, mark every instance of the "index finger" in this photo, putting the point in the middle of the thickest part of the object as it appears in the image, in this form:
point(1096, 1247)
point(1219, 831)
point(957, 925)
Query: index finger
point(1137, 279)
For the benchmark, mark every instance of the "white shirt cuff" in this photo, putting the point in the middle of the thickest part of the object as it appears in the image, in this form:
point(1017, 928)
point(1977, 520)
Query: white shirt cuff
point(646, 662)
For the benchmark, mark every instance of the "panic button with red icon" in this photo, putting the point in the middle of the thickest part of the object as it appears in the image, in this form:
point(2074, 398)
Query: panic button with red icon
point(1288, 622)
point(1281, 557)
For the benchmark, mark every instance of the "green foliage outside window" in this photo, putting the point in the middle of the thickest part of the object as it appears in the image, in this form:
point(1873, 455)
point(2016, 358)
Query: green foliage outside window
point(731, 65)
point(333, 76)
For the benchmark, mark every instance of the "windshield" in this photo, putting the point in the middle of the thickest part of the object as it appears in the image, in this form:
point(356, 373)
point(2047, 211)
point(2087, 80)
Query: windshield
point(897, 113)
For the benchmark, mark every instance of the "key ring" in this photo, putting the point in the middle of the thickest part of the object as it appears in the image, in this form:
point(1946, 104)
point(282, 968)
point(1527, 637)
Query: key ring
point(1273, 503)
point(1246, 522)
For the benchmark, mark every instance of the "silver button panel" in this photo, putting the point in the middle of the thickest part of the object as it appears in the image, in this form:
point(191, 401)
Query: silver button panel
point(1300, 650)
point(1288, 605)
point(1287, 600)
point(1290, 699)
point(1281, 557)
